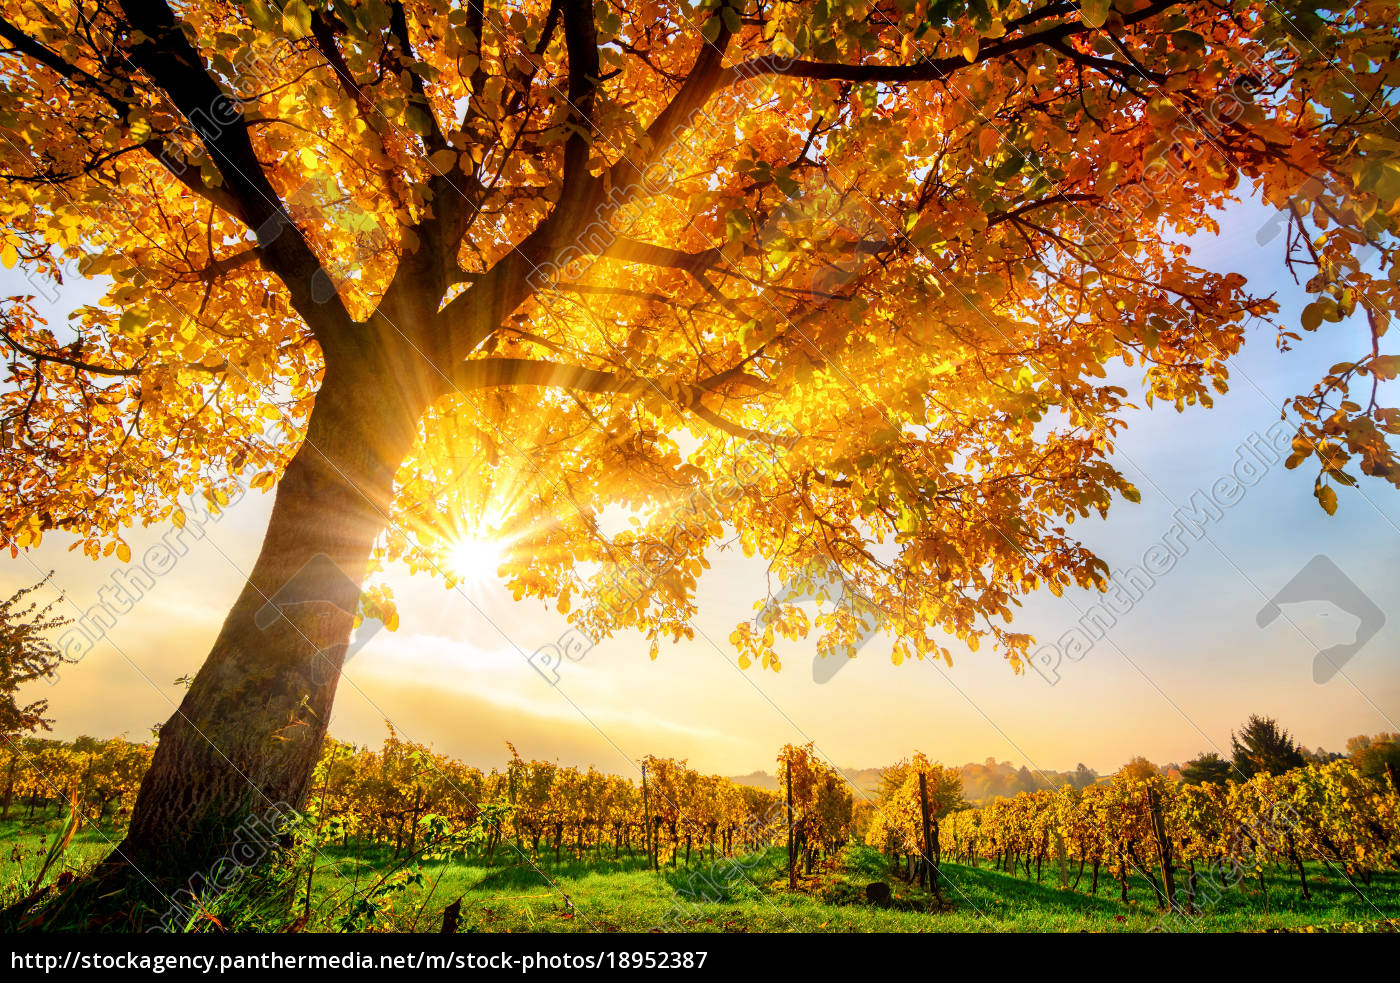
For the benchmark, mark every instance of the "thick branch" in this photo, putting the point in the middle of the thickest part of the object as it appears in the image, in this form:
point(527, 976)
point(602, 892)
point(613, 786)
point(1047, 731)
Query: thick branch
point(157, 147)
point(168, 58)
point(477, 311)
point(492, 372)
point(927, 69)
point(581, 38)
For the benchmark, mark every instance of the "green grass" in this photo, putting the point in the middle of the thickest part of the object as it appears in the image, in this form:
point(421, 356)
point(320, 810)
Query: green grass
point(25, 842)
point(748, 895)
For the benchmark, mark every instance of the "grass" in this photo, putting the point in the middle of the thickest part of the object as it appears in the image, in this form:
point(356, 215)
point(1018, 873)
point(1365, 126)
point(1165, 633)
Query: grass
point(745, 895)
point(24, 843)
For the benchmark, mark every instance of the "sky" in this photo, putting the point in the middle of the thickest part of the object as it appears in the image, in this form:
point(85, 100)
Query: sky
point(1183, 662)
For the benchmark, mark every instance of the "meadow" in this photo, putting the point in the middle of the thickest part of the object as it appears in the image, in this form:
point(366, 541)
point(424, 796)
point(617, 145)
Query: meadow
point(369, 889)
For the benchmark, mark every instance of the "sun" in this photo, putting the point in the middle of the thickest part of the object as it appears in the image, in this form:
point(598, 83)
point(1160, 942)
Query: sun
point(474, 561)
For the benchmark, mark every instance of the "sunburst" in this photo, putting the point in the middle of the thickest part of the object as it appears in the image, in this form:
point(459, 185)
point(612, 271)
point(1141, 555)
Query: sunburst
point(474, 561)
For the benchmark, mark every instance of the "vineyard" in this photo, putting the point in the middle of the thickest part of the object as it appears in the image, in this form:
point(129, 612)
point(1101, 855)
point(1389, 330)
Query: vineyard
point(388, 797)
point(380, 822)
point(1189, 843)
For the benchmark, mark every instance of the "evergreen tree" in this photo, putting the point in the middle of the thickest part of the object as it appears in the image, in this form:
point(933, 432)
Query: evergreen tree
point(1263, 746)
point(1205, 769)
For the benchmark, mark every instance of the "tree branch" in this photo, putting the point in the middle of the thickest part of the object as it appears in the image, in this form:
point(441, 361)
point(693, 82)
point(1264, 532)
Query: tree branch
point(927, 69)
point(155, 146)
point(172, 63)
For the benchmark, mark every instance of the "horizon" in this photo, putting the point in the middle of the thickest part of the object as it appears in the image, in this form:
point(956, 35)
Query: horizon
point(846, 769)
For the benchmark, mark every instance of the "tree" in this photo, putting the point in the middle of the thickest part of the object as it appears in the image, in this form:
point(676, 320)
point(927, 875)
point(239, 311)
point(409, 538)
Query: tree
point(822, 276)
point(26, 655)
point(1377, 757)
point(1083, 776)
point(1207, 768)
point(1319, 756)
point(1263, 747)
point(916, 795)
point(1138, 769)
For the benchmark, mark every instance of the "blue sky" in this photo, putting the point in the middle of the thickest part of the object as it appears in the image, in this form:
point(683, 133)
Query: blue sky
point(1168, 680)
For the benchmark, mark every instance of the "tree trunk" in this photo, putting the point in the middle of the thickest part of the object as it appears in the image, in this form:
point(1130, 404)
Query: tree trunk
point(1302, 872)
point(9, 787)
point(241, 748)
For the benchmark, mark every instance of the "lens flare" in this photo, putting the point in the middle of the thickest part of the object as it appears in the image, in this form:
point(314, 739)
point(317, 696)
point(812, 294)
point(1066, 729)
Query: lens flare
point(474, 561)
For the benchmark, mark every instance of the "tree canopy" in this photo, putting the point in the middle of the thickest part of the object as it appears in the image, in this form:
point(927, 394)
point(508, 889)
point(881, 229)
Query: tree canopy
point(869, 286)
point(1376, 757)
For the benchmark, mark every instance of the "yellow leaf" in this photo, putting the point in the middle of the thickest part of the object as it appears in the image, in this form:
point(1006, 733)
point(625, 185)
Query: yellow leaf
point(443, 160)
point(296, 19)
point(988, 140)
point(1095, 12)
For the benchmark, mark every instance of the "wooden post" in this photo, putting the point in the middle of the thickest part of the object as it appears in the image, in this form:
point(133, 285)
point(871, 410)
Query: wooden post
point(1164, 846)
point(926, 868)
point(646, 814)
point(792, 844)
point(936, 872)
